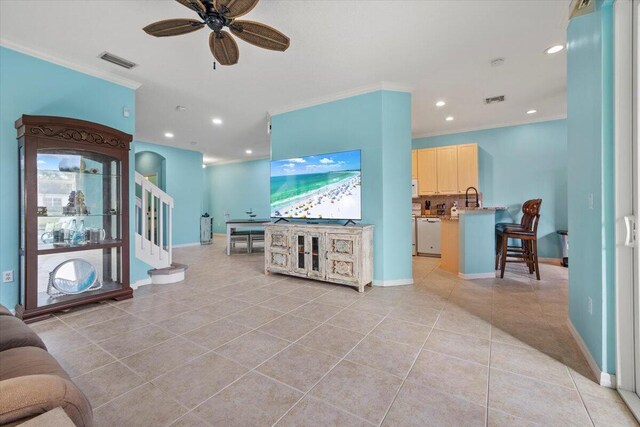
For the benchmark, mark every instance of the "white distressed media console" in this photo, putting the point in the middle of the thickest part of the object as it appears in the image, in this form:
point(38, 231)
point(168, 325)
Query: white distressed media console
point(331, 253)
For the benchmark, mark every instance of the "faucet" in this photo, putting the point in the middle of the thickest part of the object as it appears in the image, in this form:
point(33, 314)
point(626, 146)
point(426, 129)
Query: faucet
point(466, 197)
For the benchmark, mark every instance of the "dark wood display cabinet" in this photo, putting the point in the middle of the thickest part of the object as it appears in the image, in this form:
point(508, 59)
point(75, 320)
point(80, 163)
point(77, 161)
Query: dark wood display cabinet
point(74, 214)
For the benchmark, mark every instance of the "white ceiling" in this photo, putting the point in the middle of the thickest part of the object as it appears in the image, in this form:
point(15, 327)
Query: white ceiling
point(442, 49)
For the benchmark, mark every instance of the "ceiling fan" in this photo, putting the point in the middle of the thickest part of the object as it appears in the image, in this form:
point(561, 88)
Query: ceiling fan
point(217, 14)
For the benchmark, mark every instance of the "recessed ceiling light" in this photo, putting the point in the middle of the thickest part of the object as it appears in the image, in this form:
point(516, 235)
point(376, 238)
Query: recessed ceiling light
point(248, 151)
point(449, 118)
point(217, 121)
point(168, 135)
point(440, 104)
point(204, 166)
point(532, 111)
point(554, 49)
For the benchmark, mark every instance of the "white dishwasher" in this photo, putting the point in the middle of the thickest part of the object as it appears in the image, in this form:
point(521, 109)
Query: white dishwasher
point(429, 236)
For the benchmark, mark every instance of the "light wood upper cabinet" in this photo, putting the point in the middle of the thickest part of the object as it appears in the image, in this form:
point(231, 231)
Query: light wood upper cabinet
point(414, 164)
point(427, 171)
point(467, 167)
point(447, 167)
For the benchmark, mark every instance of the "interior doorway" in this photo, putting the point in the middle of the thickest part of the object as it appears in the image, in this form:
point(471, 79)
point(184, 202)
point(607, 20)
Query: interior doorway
point(627, 115)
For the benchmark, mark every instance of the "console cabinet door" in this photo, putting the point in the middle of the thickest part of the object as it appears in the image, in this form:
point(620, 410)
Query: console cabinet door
point(299, 259)
point(315, 255)
point(279, 250)
point(343, 258)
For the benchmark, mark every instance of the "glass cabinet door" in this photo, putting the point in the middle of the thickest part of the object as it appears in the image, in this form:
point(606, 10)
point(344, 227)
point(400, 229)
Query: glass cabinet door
point(315, 253)
point(300, 253)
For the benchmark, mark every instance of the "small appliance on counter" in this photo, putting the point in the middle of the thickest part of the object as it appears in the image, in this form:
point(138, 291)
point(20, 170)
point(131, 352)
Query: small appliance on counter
point(454, 210)
point(441, 209)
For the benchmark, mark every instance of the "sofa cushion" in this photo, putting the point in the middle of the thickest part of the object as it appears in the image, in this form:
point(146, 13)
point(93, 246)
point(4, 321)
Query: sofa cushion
point(21, 361)
point(15, 333)
point(28, 396)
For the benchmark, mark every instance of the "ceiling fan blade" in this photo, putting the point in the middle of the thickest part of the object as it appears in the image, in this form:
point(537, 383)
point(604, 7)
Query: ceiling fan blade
point(260, 35)
point(195, 5)
point(173, 27)
point(234, 8)
point(224, 48)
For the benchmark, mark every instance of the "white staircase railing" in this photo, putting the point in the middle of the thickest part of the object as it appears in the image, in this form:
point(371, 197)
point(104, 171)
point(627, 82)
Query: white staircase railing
point(153, 231)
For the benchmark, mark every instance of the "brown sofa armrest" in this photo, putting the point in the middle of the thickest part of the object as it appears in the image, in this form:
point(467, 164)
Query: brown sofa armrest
point(4, 311)
point(15, 333)
point(29, 396)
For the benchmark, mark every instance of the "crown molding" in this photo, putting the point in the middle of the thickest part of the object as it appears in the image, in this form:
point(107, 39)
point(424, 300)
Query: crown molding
point(389, 86)
point(101, 74)
point(496, 126)
point(229, 162)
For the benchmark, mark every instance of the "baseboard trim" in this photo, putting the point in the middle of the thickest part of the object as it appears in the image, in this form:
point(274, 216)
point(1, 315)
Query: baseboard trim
point(397, 282)
point(142, 282)
point(473, 276)
point(552, 261)
point(185, 245)
point(604, 379)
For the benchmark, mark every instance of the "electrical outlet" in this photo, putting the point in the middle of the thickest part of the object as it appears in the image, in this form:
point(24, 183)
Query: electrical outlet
point(590, 201)
point(7, 276)
point(590, 306)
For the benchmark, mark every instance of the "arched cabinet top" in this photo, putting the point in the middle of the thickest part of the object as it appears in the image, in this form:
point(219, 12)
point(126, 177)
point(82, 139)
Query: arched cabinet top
point(72, 130)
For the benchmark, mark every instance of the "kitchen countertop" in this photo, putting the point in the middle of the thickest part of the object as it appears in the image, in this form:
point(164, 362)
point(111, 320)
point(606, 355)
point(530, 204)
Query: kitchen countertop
point(481, 210)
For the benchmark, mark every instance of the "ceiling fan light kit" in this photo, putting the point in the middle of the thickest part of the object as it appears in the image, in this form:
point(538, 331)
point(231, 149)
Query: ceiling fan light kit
point(218, 14)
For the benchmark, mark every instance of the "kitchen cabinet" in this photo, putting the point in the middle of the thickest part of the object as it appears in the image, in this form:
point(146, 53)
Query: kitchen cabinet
point(427, 171)
point(414, 164)
point(447, 169)
point(467, 166)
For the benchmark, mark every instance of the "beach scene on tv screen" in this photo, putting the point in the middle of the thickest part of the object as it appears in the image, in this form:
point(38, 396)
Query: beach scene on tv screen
point(326, 186)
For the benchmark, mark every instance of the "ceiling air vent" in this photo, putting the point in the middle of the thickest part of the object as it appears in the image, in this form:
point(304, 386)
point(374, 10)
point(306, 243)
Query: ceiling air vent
point(581, 7)
point(124, 63)
point(494, 99)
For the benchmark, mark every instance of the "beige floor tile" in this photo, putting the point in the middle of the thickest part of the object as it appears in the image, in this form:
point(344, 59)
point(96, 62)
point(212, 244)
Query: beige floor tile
point(107, 383)
point(316, 311)
point(190, 420)
point(289, 327)
point(59, 337)
point(309, 292)
point(357, 321)
point(105, 330)
point(254, 317)
point(227, 307)
point(251, 349)
point(140, 303)
point(536, 401)
point(298, 367)
point(142, 407)
point(161, 358)
point(415, 314)
point(131, 342)
point(378, 306)
point(464, 323)
point(529, 362)
point(402, 332)
point(361, 390)
point(339, 299)
point(450, 375)
point(82, 318)
point(465, 347)
point(200, 299)
point(587, 385)
point(189, 321)
point(255, 296)
point(254, 400)
point(283, 303)
point(281, 287)
point(421, 406)
point(501, 419)
point(235, 289)
point(311, 412)
point(332, 340)
point(163, 312)
point(215, 334)
point(603, 412)
point(197, 380)
point(78, 361)
point(388, 356)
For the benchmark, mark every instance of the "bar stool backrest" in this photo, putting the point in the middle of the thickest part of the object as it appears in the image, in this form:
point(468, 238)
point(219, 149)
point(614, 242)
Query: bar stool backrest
point(531, 214)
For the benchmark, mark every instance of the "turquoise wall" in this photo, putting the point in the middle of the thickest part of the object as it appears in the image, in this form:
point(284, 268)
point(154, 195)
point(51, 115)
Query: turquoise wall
point(235, 188)
point(590, 167)
point(379, 124)
point(32, 86)
point(477, 243)
point(150, 163)
point(517, 163)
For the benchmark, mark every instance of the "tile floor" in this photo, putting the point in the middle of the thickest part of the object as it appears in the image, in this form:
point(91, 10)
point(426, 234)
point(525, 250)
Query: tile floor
point(232, 347)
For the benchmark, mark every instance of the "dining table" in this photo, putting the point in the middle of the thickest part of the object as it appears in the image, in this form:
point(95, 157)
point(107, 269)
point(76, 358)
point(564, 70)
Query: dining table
point(233, 224)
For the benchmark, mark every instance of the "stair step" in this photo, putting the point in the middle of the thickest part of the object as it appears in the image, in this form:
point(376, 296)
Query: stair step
point(174, 268)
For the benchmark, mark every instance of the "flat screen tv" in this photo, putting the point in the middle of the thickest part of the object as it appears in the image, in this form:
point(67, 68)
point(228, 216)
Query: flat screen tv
point(326, 186)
